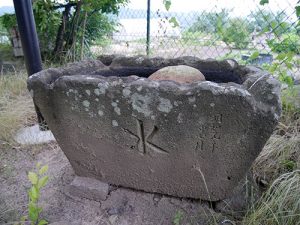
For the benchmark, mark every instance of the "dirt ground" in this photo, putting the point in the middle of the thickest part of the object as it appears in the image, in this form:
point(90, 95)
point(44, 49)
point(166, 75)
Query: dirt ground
point(121, 207)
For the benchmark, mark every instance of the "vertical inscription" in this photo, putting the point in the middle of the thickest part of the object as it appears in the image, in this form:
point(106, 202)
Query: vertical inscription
point(209, 134)
point(217, 123)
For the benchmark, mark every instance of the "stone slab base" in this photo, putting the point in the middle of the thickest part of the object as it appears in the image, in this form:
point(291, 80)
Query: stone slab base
point(89, 188)
point(33, 135)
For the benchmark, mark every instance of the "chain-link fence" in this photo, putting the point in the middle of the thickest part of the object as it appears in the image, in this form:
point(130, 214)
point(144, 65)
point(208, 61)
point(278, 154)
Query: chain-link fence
point(212, 32)
point(244, 30)
point(218, 29)
point(4, 39)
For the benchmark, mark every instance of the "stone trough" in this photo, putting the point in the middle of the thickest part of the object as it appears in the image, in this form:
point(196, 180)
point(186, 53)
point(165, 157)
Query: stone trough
point(194, 140)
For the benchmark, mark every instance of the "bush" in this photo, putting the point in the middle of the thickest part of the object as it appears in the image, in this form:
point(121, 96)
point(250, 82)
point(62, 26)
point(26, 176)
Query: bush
point(2, 28)
point(268, 21)
point(208, 22)
point(235, 32)
point(66, 30)
point(8, 21)
point(290, 43)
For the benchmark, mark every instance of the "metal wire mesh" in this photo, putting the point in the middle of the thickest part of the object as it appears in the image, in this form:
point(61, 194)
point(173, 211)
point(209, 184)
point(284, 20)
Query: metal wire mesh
point(4, 38)
point(217, 31)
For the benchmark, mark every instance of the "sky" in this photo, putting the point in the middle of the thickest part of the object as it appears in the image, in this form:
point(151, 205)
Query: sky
point(241, 7)
point(6, 3)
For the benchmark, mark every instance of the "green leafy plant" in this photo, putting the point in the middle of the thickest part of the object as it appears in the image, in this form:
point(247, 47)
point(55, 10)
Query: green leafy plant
point(172, 20)
point(273, 22)
point(66, 28)
point(289, 165)
point(47, 22)
point(9, 21)
point(235, 32)
point(178, 218)
point(281, 66)
point(38, 180)
point(286, 44)
point(290, 42)
point(210, 22)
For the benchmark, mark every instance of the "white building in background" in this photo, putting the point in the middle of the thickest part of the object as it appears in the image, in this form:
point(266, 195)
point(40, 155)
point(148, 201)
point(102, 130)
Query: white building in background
point(135, 29)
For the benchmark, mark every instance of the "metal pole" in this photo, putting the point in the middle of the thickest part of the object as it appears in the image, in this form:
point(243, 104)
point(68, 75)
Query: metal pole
point(148, 26)
point(30, 44)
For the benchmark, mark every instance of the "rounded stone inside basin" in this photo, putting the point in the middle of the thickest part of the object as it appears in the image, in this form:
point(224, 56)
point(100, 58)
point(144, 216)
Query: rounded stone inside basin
point(189, 140)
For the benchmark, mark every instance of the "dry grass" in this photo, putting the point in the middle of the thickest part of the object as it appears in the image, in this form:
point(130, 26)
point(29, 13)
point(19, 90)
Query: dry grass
point(278, 168)
point(282, 152)
point(16, 106)
point(280, 205)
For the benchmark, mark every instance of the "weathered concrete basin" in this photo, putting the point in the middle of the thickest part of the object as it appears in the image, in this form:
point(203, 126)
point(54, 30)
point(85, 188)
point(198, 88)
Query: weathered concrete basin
point(190, 140)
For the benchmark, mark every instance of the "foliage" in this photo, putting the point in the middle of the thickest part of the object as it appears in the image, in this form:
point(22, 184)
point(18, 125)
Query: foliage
point(235, 32)
point(290, 42)
point(47, 23)
point(280, 158)
point(178, 218)
point(2, 28)
point(172, 20)
point(38, 181)
point(232, 31)
point(209, 22)
point(99, 26)
point(266, 21)
point(286, 44)
point(9, 21)
point(68, 28)
point(281, 66)
point(167, 4)
point(6, 51)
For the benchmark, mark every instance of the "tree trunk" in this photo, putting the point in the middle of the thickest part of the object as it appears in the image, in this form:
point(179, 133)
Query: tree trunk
point(71, 42)
point(59, 43)
point(82, 38)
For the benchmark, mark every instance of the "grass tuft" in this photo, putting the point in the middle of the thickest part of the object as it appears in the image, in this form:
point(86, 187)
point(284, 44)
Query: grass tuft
point(280, 155)
point(280, 205)
point(16, 106)
point(277, 168)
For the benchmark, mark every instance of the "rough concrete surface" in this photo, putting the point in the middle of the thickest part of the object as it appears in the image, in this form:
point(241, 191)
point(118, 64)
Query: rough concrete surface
point(89, 188)
point(122, 206)
point(193, 140)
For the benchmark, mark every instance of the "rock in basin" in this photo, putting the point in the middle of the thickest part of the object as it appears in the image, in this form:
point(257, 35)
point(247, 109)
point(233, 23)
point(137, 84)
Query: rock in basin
point(193, 140)
point(180, 74)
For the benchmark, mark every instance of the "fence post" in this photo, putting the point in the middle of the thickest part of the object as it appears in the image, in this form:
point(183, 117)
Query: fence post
point(30, 44)
point(148, 26)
